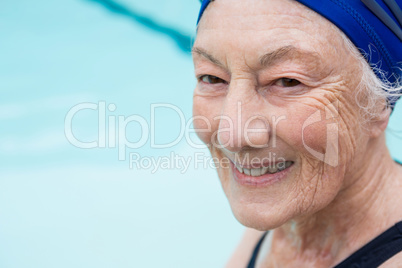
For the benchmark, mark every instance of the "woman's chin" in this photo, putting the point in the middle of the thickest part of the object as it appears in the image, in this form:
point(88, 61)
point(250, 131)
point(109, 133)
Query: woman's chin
point(259, 202)
point(258, 217)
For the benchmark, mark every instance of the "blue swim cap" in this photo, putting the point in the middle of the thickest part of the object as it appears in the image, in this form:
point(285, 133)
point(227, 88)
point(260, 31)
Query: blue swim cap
point(375, 28)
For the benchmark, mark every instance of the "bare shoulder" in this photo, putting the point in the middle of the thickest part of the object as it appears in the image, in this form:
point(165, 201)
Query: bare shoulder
point(394, 262)
point(242, 253)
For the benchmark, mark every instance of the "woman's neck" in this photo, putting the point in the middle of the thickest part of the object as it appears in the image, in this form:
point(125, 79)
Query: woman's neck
point(363, 209)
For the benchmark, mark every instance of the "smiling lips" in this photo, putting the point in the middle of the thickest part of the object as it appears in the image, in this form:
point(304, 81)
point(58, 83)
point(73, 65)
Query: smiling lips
point(271, 169)
point(261, 176)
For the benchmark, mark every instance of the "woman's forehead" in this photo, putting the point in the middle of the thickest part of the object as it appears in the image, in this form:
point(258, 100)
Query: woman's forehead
point(254, 23)
point(245, 31)
point(256, 14)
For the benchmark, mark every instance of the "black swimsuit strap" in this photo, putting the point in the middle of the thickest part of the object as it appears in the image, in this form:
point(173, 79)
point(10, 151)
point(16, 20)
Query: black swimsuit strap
point(253, 259)
point(377, 251)
point(373, 254)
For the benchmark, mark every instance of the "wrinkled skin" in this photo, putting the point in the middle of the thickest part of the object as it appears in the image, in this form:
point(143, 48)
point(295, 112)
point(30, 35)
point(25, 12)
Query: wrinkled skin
point(237, 34)
point(314, 196)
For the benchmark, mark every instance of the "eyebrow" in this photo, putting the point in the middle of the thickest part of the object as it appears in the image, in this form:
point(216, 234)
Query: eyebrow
point(205, 54)
point(267, 59)
point(286, 52)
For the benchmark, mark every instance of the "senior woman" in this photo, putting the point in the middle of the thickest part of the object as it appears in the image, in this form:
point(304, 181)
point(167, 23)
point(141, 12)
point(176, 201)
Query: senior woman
point(293, 98)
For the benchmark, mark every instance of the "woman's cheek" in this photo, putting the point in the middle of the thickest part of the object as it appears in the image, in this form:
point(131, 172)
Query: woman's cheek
point(315, 137)
point(205, 118)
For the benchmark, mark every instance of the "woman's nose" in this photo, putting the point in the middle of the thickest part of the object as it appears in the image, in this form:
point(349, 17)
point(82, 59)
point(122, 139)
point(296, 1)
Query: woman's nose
point(240, 124)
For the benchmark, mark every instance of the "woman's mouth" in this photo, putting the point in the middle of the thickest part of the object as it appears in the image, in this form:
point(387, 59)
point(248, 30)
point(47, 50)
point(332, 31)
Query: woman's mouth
point(261, 176)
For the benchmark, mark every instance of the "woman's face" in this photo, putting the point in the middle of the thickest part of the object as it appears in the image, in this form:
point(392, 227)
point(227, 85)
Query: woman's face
point(276, 84)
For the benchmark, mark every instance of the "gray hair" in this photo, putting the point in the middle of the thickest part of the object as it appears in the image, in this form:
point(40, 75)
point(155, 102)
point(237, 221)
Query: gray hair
point(377, 91)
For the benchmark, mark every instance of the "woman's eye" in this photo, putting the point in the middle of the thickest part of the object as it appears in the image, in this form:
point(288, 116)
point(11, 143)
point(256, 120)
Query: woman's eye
point(287, 82)
point(210, 79)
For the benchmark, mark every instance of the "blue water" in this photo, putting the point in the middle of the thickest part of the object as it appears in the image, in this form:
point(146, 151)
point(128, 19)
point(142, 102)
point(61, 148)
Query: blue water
point(62, 206)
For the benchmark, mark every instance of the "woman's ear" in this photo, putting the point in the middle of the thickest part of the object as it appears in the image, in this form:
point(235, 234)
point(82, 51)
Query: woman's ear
point(379, 123)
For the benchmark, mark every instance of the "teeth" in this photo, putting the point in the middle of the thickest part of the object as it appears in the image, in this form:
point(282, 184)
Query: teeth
point(247, 171)
point(239, 169)
point(273, 169)
point(281, 166)
point(264, 170)
point(256, 172)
